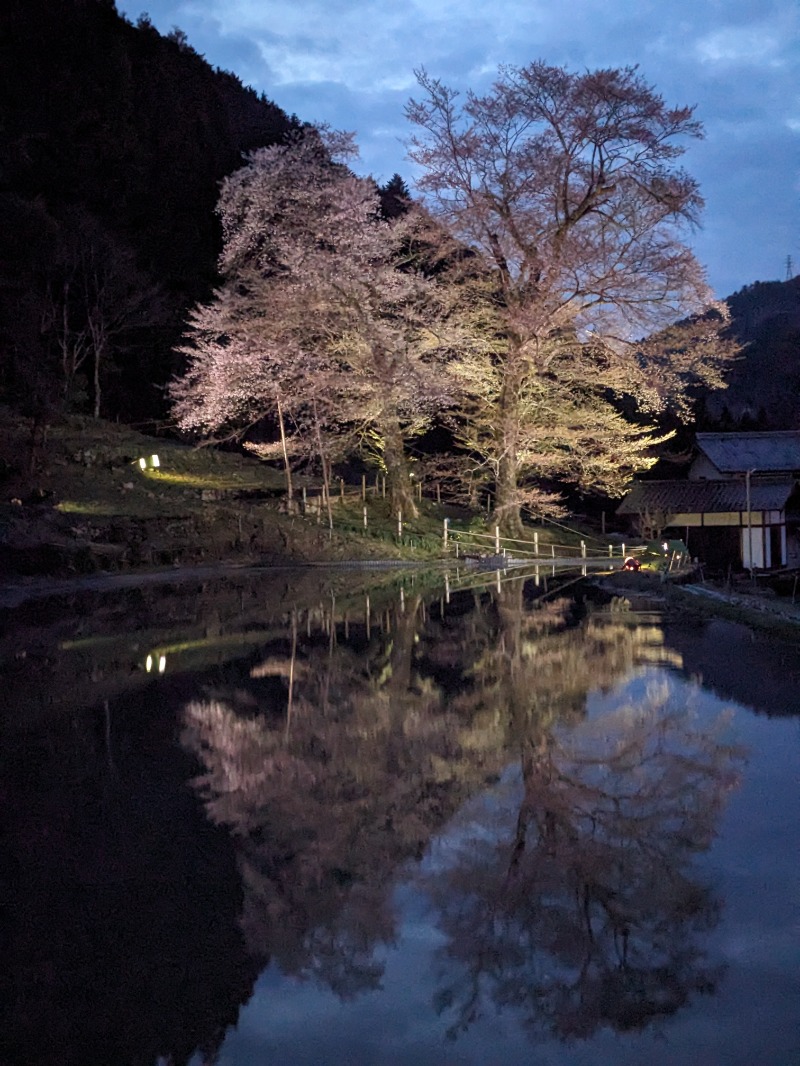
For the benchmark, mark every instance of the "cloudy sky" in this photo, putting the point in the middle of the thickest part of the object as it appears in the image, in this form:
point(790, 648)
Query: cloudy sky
point(351, 63)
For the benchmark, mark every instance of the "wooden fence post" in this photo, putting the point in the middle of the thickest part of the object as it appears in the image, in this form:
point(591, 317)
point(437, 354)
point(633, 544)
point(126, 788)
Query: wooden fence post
point(444, 534)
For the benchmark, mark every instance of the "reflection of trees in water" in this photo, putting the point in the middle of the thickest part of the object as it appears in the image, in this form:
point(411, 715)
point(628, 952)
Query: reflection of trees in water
point(328, 797)
point(333, 759)
point(585, 913)
point(583, 909)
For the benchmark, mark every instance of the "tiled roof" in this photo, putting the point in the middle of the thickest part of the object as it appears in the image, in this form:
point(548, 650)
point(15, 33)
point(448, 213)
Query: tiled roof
point(733, 453)
point(705, 497)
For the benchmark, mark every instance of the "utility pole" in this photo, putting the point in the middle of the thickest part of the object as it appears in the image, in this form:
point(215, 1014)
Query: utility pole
point(789, 268)
point(749, 523)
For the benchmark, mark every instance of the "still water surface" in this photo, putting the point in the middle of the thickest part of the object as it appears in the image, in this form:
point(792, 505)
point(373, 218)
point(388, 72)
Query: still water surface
point(295, 818)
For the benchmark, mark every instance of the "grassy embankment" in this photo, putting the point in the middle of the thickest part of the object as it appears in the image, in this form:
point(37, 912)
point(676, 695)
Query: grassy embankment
point(84, 505)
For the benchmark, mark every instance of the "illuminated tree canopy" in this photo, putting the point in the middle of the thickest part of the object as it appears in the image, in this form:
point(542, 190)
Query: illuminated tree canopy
point(315, 320)
point(566, 188)
point(549, 242)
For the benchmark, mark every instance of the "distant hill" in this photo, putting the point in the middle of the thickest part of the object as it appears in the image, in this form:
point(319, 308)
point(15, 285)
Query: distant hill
point(764, 384)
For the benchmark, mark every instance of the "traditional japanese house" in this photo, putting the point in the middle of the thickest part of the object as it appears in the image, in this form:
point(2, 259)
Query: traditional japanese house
point(740, 505)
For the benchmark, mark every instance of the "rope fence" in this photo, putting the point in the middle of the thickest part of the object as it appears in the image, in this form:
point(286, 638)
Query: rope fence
point(460, 541)
point(349, 510)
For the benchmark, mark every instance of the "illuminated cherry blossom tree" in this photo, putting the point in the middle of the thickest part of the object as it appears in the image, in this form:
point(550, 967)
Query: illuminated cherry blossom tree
point(318, 320)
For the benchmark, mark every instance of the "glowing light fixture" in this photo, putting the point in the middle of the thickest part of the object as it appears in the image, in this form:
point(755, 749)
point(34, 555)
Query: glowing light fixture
point(150, 664)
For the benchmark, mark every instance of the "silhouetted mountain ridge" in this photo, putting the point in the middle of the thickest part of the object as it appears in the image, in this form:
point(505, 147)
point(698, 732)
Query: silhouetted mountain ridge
point(764, 383)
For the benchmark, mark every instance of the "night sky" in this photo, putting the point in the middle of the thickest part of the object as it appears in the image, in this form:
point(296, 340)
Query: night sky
point(351, 64)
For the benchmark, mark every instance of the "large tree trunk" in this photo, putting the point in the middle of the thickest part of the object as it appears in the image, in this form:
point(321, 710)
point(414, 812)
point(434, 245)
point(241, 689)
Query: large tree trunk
point(398, 479)
point(286, 464)
point(506, 504)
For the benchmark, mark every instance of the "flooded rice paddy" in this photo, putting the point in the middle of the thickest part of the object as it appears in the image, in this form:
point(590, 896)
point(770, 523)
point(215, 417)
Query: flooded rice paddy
point(326, 818)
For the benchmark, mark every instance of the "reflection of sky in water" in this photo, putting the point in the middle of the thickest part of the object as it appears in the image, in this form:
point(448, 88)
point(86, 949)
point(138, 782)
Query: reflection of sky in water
point(752, 1020)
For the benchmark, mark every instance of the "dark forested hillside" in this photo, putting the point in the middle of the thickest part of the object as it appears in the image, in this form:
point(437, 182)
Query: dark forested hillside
point(764, 383)
point(113, 140)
